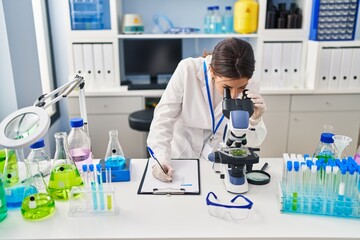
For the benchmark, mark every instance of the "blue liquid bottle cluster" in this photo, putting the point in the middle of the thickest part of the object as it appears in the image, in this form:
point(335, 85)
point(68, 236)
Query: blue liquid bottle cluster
point(216, 23)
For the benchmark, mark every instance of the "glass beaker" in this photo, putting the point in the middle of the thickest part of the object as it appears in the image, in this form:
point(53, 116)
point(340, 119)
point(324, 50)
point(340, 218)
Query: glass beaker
point(64, 174)
point(114, 154)
point(37, 202)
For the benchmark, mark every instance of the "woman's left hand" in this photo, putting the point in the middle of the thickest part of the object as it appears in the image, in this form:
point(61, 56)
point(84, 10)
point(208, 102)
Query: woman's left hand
point(259, 107)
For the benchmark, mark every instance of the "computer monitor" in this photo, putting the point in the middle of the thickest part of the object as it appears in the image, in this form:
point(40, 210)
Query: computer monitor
point(151, 60)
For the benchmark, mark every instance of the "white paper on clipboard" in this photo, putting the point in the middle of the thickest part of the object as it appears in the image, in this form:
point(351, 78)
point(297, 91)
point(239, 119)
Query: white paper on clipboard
point(185, 180)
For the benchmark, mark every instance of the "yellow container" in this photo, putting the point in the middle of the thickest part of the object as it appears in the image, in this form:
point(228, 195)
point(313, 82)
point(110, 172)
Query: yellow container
point(246, 16)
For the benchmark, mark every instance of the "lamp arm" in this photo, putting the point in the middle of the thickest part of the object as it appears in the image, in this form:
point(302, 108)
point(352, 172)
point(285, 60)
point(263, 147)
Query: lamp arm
point(62, 92)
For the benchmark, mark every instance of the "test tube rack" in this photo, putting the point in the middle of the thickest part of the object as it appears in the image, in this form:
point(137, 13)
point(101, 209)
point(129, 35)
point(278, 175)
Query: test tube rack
point(86, 202)
point(329, 189)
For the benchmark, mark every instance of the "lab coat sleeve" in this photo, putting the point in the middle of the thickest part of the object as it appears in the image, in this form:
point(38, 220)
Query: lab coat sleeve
point(166, 114)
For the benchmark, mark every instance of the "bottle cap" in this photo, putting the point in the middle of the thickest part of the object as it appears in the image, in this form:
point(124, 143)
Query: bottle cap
point(39, 144)
point(91, 167)
point(76, 122)
point(327, 138)
point(84, 168)
point(228, 8)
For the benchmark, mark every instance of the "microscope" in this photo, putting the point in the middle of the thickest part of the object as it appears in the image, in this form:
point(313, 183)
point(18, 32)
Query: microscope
point(234, 158)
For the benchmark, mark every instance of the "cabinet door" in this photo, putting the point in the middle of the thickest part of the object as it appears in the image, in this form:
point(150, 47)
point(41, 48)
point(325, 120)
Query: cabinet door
point(276, 119)
point(306, 127)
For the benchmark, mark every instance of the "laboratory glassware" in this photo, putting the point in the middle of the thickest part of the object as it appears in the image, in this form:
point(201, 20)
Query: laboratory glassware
point(2, 160)
point(114, 153)
point(216, 20)
point(341, 142)
point(39, 154)
point(3, 208)
point(64, 174)
point(357, 156)
point(326, 148)
point(37, 202)
point(207, 19)
point(228, 21)
point(79, 143)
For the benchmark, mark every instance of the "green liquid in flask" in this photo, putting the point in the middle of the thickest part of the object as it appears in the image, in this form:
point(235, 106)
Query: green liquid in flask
point(37, 206)
point(63, 177)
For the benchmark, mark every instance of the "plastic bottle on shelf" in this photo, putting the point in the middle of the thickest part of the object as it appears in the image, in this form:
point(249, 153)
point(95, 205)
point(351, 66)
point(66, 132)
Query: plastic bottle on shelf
point(228, 21)
point(64, 173)
point(216, 21)
point(326, 149)
point(357, 156)
point(79, 143)
point(207, 19)
point(39, 154)
point(246, 16)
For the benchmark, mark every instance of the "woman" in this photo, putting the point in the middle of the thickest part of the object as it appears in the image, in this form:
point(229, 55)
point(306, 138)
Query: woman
point(188, 120)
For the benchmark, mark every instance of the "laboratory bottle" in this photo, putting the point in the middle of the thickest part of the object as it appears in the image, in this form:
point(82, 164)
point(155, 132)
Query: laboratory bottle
point(326, 149)
point(216, 21)
point(79, 143)
point(357, 156)
point(114, 153)
point(228, 21)
point(64, 174)
point(246, 16)
point(37, 202)
point(39, 154)
point(207, 19)
point(3, 208)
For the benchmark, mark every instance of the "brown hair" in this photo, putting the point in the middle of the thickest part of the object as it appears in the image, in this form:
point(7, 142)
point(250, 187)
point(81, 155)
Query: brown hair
point(233, 58)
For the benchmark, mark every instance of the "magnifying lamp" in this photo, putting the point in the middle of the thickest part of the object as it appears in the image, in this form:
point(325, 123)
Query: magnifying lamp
point(26, 125)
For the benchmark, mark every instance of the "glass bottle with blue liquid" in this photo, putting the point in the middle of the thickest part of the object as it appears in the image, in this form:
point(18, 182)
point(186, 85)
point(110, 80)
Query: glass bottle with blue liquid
point(228, 21)
point(114, 157)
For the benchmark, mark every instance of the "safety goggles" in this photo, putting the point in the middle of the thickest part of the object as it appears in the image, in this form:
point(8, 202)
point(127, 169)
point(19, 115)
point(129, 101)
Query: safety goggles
point(238, 208)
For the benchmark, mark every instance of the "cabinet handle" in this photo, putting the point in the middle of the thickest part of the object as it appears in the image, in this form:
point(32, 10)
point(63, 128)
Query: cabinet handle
point(105, 105)
point(327, 103)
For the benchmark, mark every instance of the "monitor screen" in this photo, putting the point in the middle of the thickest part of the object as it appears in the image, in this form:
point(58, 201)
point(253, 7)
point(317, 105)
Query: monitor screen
point(149, 60)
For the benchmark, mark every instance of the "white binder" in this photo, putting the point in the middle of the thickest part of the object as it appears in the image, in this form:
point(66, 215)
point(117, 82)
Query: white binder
point(324, 68)
point(335, 65)
point(355, 68)
point(98, 65)
point(108, 65)
point(78, 59)
point(88, 66)
point(286, 81)
point(276, 64)
point(266, 66)
point(295, 73)
point(345, 68)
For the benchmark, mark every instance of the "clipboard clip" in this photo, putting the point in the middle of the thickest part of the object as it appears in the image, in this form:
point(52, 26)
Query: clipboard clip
point(169, 191)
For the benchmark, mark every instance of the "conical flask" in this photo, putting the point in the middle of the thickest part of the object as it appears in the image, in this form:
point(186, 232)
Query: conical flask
point(3, 208)
point(64, 174)
point(114, 154)
point(14, 189)
point(37, 202)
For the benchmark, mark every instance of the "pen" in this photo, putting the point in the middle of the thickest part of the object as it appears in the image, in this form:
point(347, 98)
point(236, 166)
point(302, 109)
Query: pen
point(153, 156)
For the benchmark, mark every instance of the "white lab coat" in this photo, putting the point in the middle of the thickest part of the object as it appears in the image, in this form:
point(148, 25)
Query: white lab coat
point(182, 121)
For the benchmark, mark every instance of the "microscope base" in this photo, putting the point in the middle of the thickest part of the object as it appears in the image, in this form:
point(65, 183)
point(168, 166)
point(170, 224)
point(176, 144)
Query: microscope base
point(235, 185)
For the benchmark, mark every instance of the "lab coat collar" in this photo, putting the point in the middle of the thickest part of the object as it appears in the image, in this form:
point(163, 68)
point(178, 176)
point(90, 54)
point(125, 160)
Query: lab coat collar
point(201, 78)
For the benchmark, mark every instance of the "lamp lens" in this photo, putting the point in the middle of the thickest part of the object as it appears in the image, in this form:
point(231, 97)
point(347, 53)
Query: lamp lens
point(22, 126)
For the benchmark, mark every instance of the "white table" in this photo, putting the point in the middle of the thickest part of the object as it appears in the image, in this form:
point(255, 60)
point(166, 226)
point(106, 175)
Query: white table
point(180, 217)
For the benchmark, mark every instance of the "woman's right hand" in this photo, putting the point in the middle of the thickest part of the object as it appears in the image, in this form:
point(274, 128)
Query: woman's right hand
point(159, 173)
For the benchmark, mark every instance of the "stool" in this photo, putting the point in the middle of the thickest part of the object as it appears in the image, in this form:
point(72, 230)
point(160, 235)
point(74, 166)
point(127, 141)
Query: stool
point(141, 120)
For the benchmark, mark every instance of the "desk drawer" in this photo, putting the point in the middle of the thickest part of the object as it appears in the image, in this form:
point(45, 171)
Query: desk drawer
point(350, 102)
point(107, 105)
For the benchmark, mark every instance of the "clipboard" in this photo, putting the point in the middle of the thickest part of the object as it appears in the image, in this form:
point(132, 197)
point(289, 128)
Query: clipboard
point(186, 179)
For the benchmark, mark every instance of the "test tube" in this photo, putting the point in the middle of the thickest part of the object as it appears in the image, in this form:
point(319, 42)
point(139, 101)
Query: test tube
point(100, 185)
point(93, 186)
point(84, 174)
point(109, 199)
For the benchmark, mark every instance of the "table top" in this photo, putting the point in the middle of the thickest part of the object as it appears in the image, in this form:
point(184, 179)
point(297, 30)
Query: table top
point(183, 216)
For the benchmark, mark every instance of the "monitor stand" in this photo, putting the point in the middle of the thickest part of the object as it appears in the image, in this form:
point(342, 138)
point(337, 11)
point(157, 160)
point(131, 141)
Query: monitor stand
point(153, 79)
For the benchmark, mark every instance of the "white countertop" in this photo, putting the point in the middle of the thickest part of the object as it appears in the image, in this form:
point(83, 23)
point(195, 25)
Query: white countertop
point(180, 217)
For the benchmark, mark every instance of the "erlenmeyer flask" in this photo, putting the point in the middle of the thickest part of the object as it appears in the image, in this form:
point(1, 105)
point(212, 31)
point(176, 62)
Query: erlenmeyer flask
point(14, 189)
point(37, 202)
point(3, 208)
point(114, 153)
point(64, 173)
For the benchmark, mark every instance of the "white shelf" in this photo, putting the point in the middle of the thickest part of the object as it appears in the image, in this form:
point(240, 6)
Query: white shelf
point(181, 36)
